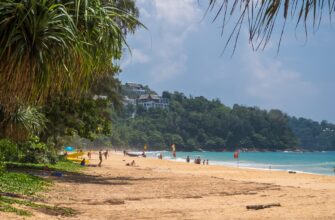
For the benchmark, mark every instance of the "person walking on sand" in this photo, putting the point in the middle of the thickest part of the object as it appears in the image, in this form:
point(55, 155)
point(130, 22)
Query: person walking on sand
point(106, 154)
point(89, 155)
point(188, 159)
point(100, 158)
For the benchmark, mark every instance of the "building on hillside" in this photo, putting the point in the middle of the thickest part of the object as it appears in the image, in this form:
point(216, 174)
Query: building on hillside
point(127, 101)
point(153, 101)
point(135, 88)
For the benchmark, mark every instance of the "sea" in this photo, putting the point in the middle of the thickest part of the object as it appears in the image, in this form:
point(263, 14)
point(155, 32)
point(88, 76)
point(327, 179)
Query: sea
point(306, 162)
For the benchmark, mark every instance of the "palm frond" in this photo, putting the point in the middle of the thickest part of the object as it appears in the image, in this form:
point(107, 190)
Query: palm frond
point(262, 16)
point(51, 47)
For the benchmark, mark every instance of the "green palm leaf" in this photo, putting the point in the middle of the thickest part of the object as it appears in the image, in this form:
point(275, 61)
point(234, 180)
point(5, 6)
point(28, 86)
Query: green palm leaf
point(54, 46)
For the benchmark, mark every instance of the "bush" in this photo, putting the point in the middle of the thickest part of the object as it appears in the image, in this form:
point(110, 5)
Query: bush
point(31, 151)
point(9, 150)
point(34, 151)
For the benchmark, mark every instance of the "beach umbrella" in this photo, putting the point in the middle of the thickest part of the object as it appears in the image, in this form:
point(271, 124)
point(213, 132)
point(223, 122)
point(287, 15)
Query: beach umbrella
point(69, 148)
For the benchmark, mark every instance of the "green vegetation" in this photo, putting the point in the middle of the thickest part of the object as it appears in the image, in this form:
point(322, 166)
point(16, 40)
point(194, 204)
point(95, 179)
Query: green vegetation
point(62, 165)
point(197, 123)
point(30, 151)
point(194, 123)
point(59, 46)
point(16, 182)
point(21, 183)
point(55, 57)
point(313, 135)
point(7, 202)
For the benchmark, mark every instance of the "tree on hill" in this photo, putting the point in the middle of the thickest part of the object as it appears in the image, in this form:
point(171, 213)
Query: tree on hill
point(197, 123)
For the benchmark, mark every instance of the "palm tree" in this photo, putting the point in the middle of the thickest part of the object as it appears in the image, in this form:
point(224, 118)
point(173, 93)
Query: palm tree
point(261, 16)
point(23, 122)
point(52, 46)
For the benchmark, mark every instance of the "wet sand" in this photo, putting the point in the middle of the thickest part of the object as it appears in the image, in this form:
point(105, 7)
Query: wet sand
point(161, 189)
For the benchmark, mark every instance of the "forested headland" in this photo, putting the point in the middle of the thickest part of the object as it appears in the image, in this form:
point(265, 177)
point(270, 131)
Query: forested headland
point(196, 123)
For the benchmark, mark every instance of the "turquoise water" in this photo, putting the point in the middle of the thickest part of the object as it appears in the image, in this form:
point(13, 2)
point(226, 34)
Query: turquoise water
point(309, 162)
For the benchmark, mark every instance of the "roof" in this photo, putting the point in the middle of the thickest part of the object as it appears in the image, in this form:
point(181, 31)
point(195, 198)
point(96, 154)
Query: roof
point(137, 85)
point(149, 96)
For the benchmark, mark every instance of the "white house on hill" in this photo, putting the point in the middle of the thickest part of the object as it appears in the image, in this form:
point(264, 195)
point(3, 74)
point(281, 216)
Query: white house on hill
point(153, 101)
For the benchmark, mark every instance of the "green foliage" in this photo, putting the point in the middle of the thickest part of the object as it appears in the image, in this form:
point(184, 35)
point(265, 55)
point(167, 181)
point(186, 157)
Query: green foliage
point(313, 135)
point(53, 46)
point(198, 123)
point(87, 117)
point(21, 183)
point(261, 17)
point(9, 150)
point(63, 165)
point(7, 207)
point(21, 123)
point(7, 203)
point(34, 151)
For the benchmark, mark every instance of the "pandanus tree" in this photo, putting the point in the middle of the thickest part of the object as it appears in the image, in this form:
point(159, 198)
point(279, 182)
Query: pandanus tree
point(52, 46)
point(263, 16)
point(49, 47)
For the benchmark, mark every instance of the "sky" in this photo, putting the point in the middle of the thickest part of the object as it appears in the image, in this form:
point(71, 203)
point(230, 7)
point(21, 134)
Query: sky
point(181, 50)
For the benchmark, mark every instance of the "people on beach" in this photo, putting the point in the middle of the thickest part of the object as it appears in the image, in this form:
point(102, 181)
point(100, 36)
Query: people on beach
point(124, 153)
point(143, 154)
point(197, 161)
point(100, 158)
point(89, 155)
point(160, 156)
point(187, 159)
point(207, 162)
point(203, 162)
point(83, 162)
point(106, 154)
point(131, 164)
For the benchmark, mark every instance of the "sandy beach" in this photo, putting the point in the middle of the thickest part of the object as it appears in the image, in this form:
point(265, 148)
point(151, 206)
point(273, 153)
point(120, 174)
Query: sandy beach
point(161, 189)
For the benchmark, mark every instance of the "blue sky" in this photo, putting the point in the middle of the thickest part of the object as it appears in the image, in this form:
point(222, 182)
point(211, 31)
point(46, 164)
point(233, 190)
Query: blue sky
point(181, 51)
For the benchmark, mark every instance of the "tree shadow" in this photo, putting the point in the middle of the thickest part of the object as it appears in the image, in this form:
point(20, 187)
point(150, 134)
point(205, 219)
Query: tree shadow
point(80, 178)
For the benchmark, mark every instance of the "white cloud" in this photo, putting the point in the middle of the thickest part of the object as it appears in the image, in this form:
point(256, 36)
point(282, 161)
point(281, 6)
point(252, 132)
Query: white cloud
point(178, 13)
point(137, 57)
point(170, 24)
point(273, 83)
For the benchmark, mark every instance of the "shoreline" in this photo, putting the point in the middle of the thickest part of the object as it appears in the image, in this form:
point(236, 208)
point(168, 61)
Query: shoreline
point(252, 164)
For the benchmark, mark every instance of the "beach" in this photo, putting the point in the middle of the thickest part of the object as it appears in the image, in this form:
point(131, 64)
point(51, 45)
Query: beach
point(163, 189)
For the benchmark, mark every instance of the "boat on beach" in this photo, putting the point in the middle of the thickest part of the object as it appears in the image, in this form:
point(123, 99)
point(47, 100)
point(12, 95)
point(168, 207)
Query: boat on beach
point(134, 154)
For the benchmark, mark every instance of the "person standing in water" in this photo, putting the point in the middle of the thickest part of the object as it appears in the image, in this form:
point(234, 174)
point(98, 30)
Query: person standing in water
point(100, 158)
